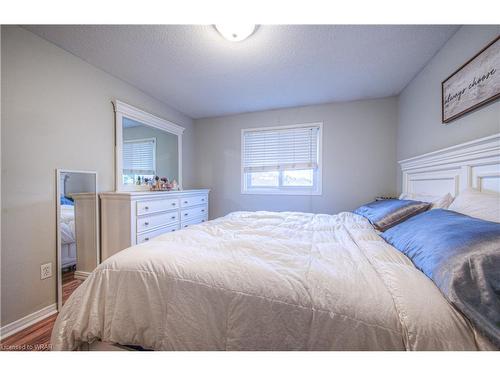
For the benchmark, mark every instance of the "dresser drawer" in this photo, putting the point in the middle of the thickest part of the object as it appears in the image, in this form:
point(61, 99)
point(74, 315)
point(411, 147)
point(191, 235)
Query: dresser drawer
point(197, 220)
point(152, 221)
point(190, 213)
point(149, 207)
point(194, 200)
point(147, 236)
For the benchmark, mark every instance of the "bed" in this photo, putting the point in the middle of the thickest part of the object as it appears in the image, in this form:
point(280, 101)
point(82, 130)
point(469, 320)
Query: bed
point(280, 281)
point(68, 239)
point(67, 227)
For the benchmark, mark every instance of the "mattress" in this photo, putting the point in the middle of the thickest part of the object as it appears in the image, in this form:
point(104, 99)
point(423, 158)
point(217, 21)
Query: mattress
point(264, 281)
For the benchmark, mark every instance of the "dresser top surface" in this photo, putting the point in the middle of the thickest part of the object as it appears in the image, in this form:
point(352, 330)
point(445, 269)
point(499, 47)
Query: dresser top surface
point(146, 194)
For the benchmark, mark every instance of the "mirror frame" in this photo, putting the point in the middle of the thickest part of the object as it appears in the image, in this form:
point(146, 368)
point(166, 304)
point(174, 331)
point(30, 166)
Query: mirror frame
point(58, 231)
point(126, 110)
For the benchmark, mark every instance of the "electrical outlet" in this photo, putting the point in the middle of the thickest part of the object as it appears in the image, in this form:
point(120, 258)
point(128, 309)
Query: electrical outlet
point(45, 271)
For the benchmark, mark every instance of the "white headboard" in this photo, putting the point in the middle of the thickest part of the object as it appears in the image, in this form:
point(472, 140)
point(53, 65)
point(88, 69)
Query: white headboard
point(450, 170)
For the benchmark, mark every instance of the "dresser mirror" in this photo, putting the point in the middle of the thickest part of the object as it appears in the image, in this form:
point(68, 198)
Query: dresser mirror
point(77, 229)
point(146, 146)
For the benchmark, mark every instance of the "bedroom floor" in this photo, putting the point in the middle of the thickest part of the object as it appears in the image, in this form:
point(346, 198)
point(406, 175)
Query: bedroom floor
point(37, 336)
point(69, 284)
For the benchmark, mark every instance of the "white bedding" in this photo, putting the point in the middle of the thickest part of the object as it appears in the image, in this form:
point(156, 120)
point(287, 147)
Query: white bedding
point(478, 204)
point(67, 224)
point(264, 281)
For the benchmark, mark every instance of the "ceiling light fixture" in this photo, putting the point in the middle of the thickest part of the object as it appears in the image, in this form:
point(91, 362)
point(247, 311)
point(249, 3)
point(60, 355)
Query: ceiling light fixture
point(235, 33)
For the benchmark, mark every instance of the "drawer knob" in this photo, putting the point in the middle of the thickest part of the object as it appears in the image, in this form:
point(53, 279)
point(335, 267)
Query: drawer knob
point(173, 230)
point(185, 214)
point(203, 210)
point(146, 239)
point(146, 223)
point(146, 208)
point(203, 221)
point(173, 203)
point(203, 199)
point(185, 202)
point(173, 217)
point(185, 226)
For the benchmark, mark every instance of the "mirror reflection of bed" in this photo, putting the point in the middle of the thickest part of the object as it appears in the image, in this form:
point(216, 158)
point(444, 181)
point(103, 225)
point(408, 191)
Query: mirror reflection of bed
point(68, 246)
point(77, 230)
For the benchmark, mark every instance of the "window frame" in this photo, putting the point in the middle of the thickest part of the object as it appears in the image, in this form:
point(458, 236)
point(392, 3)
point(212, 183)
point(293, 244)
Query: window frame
point(317, 187)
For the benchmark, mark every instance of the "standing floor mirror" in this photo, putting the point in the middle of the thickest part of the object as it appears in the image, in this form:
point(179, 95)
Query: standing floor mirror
point(77, 230)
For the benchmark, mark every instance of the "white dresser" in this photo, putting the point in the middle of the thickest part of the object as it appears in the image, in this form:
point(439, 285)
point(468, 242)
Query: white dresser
point(130, 218)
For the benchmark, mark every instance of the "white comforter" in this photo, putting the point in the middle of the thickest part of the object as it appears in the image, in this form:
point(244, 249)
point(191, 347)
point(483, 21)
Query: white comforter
point(261, 281)
point(67, 224)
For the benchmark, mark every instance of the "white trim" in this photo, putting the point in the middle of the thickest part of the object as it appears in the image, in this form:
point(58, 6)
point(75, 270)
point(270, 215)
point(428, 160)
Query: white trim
point(317, 190)
point(147, 118)
point(27, 321)
point(453, 168)
point(81, 275)
point(302, 125)
point(462, 152)
point(126, 110)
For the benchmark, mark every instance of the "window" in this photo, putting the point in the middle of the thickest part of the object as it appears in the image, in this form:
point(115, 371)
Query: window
point(282, 160)
point(139, 159)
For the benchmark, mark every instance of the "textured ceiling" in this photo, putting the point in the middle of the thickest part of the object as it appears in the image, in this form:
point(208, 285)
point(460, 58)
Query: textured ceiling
point(193, 69)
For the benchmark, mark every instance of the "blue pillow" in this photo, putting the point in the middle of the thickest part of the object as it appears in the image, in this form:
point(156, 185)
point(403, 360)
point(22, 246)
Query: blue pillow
point(461, 255)
point(67, 201)
point(386, 213)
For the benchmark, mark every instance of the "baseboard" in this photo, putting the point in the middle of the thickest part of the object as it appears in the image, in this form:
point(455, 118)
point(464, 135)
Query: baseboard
point(81, 275)
point(28, 320)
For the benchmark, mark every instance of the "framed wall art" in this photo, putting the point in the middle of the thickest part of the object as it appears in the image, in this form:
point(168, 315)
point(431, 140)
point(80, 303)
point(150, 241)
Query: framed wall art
point(474, 84)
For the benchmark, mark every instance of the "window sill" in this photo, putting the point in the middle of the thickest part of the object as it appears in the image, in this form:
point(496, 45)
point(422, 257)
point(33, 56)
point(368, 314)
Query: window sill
point(280, 192)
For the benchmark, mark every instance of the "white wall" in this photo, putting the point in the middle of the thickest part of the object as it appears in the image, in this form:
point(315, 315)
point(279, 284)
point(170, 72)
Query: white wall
point(359, 145)
point(57, 113)
point(420, 129)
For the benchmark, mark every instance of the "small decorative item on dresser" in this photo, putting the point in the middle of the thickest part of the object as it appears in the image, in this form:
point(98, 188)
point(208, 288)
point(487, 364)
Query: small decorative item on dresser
point(384, 198)
point(162, 184)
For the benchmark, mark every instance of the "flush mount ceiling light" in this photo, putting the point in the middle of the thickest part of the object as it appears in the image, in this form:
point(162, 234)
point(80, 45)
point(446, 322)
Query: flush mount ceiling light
point(235, 33)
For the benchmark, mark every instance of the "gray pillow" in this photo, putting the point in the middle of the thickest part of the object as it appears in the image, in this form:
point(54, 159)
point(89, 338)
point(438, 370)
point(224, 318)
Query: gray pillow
point(461, 255)
point(386, 213)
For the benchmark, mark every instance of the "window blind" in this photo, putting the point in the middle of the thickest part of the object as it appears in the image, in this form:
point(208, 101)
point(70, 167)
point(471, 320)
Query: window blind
point(139, 156)
point(280, 149)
